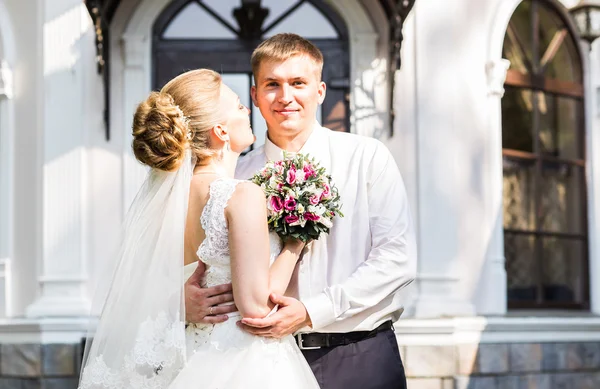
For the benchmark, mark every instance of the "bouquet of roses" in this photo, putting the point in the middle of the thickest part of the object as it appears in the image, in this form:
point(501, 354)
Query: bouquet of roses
point(301, 198)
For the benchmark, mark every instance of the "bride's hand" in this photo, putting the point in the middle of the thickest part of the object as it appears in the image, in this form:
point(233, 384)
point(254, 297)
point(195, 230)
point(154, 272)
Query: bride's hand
point(293, 245)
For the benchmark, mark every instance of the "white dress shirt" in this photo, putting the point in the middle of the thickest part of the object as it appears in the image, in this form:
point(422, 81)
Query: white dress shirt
point(350, 279)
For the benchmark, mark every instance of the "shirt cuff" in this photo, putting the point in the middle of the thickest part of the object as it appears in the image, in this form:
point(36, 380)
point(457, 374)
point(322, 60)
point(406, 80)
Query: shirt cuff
point(320, 310)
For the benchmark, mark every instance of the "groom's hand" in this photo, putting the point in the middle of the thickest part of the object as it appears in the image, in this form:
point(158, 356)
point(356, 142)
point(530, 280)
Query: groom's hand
point(289, 318)
point(202, 304)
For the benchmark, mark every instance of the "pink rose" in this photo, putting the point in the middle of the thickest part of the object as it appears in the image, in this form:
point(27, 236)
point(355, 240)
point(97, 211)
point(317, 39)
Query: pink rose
point(309, 171)
point(275, 204)
point(279, 187)
point(326, 192)
point(289, 219)
point(311, 216)
point(290, 204)
point(291, 176)
point(314, 199)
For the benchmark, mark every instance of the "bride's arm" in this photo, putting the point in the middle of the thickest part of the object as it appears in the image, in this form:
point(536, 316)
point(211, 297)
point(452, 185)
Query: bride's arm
point(252, 279)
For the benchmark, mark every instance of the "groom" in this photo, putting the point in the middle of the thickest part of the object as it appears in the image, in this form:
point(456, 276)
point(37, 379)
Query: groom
point(347, 284)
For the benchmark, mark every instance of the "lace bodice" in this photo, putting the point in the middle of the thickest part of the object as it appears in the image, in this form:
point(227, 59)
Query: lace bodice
point(214, 250)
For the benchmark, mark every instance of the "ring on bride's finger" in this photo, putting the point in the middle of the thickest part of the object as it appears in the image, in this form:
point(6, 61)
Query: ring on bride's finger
point(210, 311)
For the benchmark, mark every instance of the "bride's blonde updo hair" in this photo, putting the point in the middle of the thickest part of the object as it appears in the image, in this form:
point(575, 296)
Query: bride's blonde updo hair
point(178, 116)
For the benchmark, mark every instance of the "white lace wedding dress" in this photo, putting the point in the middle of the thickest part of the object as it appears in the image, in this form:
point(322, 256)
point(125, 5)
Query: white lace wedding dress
point(222, 356)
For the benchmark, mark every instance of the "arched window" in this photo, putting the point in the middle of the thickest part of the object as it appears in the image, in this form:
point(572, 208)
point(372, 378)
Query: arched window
point(545, 215)
point(221, 35)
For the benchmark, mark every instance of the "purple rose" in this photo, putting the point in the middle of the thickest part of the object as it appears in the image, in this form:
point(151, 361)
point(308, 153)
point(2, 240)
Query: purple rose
point(291, 176)
point(314, 199)
point(289, 219)
point(290, 204)
point(275, 204)
point(311, 216)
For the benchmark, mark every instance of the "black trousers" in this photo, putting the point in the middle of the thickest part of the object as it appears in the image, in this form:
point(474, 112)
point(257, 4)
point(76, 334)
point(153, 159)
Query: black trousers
point(372, 363)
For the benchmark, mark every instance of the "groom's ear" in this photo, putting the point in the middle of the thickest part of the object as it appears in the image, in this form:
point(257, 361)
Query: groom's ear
point(321, 91)
point(253, 95)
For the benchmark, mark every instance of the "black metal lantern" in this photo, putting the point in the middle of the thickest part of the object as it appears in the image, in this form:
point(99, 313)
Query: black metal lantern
point(587, 19)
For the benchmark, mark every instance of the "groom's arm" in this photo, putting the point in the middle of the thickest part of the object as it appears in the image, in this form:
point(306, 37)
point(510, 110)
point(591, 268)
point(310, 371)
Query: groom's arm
point(390, 265)
point(392, 261)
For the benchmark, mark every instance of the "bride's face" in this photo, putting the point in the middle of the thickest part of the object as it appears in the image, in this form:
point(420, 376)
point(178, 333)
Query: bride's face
point(238, 120)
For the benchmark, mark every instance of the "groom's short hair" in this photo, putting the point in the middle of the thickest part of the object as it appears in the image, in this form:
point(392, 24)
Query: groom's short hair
point(283, 46)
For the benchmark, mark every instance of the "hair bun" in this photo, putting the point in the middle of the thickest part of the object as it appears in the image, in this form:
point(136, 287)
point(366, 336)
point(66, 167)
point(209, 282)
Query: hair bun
point(159, 132)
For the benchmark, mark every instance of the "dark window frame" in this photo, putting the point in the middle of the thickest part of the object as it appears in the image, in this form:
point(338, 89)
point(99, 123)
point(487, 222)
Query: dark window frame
point(536, 81)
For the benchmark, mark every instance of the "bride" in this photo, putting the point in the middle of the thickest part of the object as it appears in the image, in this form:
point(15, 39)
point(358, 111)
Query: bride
point(191, 212)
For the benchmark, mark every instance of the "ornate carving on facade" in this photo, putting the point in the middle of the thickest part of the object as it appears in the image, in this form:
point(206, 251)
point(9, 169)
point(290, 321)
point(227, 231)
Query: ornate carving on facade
point(6, 81)
point(496, 75)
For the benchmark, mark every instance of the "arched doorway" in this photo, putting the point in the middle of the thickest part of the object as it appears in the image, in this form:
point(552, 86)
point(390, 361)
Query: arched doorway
point(219, 35)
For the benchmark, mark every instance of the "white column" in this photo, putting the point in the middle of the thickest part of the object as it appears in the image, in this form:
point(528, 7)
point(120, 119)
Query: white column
point(62, 272)
point(592, 120)
point(6, 183)
point(137, 87)
point(444, 149)
point(490, 298)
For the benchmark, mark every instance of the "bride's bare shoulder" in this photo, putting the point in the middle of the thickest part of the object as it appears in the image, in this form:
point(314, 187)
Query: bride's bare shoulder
point(247, 195)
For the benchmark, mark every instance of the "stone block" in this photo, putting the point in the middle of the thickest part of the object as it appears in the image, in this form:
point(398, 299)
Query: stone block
point(590, 355)
point(508, 382)
point(557, 357)
point(10, 383)
point(448, 383)
point(424, 383)
point(586, 380)
point(463, 382)
point(31, 384)
point(525, 357)
point(20, 383)
point(430, 361)
point(535, 381)
point(58, 360)
point(467, 358)
point(562, 381)
point(20, 360)
point(60, 383)
point(492, 358)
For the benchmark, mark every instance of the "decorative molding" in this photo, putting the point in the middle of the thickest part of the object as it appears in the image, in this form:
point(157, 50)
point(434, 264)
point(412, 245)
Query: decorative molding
point(44, 331)
point(496, 75)
point(505, 329)
point(6, 80)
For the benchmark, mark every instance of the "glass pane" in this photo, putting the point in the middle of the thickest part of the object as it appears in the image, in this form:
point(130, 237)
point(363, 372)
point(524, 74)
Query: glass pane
point(562, 203)
point(518, 41)
point(193, 22)
point(224, 8)
point(547, 123)
point(557, 47)
point(519, 195)
point(519, 250)
point(517, 119)
point(276, 9)
point(306, 21)
point(562, 272)
point(569, 129)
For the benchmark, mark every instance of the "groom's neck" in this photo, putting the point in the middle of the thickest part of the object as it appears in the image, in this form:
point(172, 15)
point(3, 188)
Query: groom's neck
point(289, 142)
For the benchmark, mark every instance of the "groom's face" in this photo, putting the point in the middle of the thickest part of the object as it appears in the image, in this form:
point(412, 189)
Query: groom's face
point(288, 94)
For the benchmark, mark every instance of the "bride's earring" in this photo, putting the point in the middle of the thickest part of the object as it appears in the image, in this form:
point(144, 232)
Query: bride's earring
point(227, 146)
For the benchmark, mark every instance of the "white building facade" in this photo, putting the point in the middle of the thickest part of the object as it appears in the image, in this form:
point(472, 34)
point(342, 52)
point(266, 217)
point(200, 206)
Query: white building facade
point(493, 118)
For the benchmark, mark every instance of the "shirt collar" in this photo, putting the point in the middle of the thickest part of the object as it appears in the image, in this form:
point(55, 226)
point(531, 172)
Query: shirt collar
point(316, 141)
